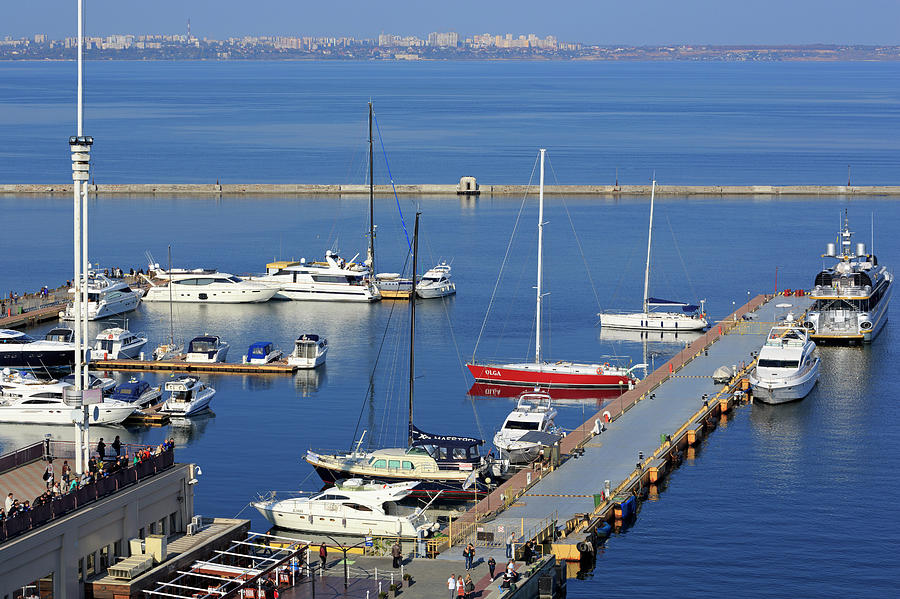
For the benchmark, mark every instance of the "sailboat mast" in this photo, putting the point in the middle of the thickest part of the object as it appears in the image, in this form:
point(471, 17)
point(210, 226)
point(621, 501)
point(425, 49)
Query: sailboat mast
point(649, 240)
point(171, 312)
point(540, 264)
point(371, 256)
point(412, 326)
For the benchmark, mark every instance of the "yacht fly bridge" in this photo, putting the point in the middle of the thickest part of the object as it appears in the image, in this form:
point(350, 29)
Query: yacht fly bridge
point(106, 297)
point(851, 298)
point(334, 279)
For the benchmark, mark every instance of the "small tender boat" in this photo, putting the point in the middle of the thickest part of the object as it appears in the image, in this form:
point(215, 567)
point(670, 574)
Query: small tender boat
point(187, 396)
point(351, 507)
point(262, 353)
point(527, 429)
point(309, 351)
point(137, 392)
point(436, 282)
point(117, 343)
point(787, 368)
point(206, 350)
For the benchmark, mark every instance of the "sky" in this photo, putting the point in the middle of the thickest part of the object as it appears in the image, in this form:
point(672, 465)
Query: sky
point(627, 22)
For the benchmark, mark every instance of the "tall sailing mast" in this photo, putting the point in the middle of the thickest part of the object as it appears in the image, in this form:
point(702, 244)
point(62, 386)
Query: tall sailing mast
point(370, 258)
point(649, 239)
point(540, 265)
point(412, 326)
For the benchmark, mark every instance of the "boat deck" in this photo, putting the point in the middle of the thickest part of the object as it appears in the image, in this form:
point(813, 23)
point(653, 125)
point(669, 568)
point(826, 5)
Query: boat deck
point(660, 406)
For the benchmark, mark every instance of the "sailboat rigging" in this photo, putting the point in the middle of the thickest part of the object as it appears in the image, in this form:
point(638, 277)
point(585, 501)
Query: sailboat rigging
point(547, 374)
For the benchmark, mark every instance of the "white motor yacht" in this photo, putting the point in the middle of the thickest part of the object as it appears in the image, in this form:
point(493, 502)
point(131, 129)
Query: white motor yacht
point(206, 349)
point(787, 367)
point(657, 314)
point(187, 396)
point(117, 343)
point(209, 288)
point(18, 350)
point(106, 297)
point(262, 352)
point(25, 399)
point(309, 351)
point(527, 429)
point(331, 280)
point(351, 507)
point(436, 282)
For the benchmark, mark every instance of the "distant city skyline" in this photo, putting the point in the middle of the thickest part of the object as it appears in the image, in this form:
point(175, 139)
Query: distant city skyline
point(586, 21)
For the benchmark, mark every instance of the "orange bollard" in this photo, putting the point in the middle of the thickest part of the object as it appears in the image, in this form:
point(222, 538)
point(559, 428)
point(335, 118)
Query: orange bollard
point(670, 367)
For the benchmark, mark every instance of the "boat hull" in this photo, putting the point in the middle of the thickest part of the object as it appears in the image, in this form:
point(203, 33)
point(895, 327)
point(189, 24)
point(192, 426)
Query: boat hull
point(201, 404)
point(390, 526)
point(123, 302)
point(784, 390)
point(660, 321)
point(511, 375)
point(63, 414)
point(208, 295)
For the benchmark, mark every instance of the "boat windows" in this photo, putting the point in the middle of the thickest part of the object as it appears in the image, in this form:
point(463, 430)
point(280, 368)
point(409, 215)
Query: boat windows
point(331, 497)
point(358, 507)
point(459, 453)
point(394, 464)
point(521, 425)
point(771, 363)
point(106, 344)
point(407, 465)
point(379, 464)
point(17, 339)
point(93, 297)
point(38, 401)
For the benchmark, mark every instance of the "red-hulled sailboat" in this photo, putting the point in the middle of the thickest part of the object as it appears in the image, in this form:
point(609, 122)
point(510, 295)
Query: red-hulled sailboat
point(552, 374)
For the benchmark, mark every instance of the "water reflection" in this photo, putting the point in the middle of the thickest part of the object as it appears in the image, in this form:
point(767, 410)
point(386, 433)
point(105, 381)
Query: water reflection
point(185, 430)
point(560, 396)
point(307, 382)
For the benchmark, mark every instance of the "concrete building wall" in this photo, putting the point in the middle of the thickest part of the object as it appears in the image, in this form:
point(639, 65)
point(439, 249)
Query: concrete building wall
point(58, 546)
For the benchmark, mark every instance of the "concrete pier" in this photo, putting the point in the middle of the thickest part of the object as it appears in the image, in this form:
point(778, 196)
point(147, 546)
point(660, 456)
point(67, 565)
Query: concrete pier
point(449, 189)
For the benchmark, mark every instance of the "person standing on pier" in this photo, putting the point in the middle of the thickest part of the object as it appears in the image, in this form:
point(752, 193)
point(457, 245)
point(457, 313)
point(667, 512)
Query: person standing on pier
point(117, 446)
point(509, 545)
point(492, 565)
point(101, 449)
point(323, 555)
point(451, 585)
point(396, 553)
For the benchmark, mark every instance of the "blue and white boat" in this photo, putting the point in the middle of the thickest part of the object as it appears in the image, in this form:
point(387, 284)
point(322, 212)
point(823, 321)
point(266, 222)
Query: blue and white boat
point(137, 392)
point(262, 352)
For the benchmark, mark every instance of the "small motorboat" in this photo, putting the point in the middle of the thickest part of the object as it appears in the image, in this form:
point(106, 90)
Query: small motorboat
point(187, 396)
point(309, 351)
point(436, 283)
point(168, 351)
point(206, 349)
point(117, 343)
point(137, 392)
point(351, 507)
point(262, 353)
point(787, 368)
point(527, 429)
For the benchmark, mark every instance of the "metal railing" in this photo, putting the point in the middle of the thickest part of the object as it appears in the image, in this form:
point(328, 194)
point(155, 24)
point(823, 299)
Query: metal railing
point(20, 457)
point(62, 505)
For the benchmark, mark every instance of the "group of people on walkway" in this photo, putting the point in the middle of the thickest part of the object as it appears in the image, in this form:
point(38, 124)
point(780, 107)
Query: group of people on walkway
point(460, 587)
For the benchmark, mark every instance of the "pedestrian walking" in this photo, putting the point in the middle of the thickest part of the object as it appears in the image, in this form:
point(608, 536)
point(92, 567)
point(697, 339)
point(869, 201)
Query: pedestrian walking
point(323, 555)
point(48, 474)
point(451, 582)
point(492, 565)
point(468, 586)
point(396, 553)
point(460, 587)
point(101, 449)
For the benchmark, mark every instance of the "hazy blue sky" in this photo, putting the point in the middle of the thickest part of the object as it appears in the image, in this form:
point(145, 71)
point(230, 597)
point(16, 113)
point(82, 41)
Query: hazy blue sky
point(596, 21)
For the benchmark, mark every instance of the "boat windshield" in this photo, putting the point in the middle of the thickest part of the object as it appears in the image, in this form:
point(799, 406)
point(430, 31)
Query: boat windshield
point(106, 344)
point(203, 346)
point(521, 425)
point(181, 396)
point(17, 339)
point(770, 363)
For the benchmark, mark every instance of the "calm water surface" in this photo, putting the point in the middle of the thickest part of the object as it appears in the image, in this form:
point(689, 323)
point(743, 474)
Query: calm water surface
point(792, 491)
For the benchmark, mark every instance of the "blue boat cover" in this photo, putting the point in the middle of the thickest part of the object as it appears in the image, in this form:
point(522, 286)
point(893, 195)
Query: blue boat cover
point(420, 437)
point(663, 303)
point(130, 391)
point(260, 349)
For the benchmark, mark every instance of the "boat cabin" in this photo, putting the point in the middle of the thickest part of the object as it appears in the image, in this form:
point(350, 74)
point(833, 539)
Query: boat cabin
point(204, 345)
point(449, 451)
point(60, 334)
point(130, 391)
point(181, 391)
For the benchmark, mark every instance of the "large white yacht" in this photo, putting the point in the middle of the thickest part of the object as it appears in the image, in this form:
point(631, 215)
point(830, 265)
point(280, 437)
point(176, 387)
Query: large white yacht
point(210, 288)
point(436, 282)
point(206, 349)
point(117, 343)
point(106, 297)
point(351, 507)
point(18, 350)
point(25, 399)
point(187, 396)
point(787, 368)
point(851, 298)
point(527, 429)
point(331, 280)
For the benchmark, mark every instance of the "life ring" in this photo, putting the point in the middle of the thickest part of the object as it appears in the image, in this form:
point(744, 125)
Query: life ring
point(606, 364)
point(599, 370)
point(607, 416)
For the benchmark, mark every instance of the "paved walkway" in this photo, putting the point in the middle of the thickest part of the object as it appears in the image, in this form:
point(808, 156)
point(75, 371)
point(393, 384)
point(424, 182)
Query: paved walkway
point(27, 482)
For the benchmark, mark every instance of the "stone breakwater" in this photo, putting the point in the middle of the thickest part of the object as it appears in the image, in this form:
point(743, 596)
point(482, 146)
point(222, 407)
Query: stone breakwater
point(206, 189)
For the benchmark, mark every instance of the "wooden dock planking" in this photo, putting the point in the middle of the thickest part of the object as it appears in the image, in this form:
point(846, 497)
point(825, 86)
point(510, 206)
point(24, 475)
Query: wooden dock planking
point(280, 367)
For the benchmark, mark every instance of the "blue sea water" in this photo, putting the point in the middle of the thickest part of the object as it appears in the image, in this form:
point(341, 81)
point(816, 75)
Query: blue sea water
point(795, 500)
